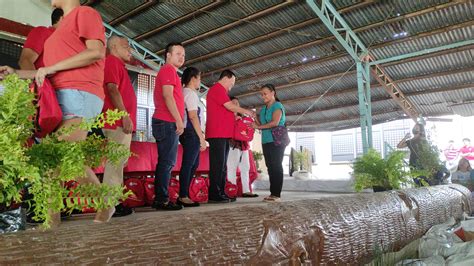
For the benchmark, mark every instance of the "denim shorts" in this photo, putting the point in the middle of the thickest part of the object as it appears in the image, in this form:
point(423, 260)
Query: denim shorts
point(76, 103)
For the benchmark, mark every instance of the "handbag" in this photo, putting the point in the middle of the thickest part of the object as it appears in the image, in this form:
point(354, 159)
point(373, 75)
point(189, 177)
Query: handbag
point(279, 134)
point(48, 113)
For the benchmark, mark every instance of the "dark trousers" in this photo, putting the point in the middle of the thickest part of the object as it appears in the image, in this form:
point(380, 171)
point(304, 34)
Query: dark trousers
point(191, 145)
point(274, 160)
point(218, 152)
point(165, 135)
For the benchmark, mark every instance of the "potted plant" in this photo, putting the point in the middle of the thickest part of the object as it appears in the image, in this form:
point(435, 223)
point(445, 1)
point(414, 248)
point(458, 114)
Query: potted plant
point(47, 165)
point(16, 110)
point(301, 164)
point(257, 156)
point(372, 171)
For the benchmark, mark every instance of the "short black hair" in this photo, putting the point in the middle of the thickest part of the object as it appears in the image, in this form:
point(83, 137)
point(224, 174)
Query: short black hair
point(227, 73)
point(169, 47)
point(464, 139)
point(233, 98)
point(56, 15)
point(188, 74)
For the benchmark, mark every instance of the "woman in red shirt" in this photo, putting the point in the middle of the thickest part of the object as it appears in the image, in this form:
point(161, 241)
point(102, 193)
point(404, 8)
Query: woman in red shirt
point(74, 62)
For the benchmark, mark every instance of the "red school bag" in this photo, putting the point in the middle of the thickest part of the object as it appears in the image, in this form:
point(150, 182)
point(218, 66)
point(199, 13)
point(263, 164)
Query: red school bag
point(173, 190)
point(149, 191)
point(199, 189)
point(136, 185)
point(48, 112)
point(243, 130)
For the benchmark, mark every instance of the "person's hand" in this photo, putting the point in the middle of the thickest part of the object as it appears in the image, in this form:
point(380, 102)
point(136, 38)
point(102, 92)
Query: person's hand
point(127, 124)
point(255, 125)
point(179, 127)
point(250, 113)
point(5, 71)
point(42, 73)
point(202, 143)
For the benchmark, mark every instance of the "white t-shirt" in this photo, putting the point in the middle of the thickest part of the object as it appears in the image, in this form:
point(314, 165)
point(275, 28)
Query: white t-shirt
point(191, 103)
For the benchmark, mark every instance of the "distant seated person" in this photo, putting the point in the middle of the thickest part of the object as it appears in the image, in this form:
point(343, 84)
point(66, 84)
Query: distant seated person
point(464, 175)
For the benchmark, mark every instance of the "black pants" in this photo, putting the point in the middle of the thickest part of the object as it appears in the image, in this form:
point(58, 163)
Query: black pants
point(218, 152)
point(274, 160)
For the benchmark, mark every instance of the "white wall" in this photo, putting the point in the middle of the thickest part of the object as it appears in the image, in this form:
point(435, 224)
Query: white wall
point(31, 12)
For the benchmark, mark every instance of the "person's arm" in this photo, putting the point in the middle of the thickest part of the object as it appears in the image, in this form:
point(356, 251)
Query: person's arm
point(276, 116)
point(237, 109)
point(117, 102)
point(403, 142)
point(28, 58)
point(23, 74)
point(94, 51)
point(171, 105)
point(194, 118)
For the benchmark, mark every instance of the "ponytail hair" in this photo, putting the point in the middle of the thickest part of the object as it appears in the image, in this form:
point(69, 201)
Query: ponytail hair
point(271, 87)
point(188, 74)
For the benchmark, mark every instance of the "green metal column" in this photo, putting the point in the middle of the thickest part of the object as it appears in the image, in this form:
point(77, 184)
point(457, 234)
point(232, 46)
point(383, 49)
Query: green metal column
point(365, 108)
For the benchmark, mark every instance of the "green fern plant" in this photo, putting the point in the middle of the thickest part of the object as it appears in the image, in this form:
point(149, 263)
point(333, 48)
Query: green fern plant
point(371, 170)
point(46, 166)
point(16, 110)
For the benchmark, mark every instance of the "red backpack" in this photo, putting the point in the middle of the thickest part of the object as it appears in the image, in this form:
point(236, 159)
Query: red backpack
point(173, 190)
point(199, 189)
point(149, 191)
point(243, 130)
point(48, 113)
point(136, 185)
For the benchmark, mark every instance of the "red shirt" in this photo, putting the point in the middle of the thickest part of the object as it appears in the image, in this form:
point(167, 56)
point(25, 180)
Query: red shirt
point(35, 41)
point(220, 121)
point(467, 149)
point(167, 76)
point(81, 24)
point(116, 73)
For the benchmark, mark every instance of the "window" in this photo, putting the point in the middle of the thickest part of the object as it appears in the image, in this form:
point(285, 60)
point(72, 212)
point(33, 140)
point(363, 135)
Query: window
point(306, 140)
point(342, 147)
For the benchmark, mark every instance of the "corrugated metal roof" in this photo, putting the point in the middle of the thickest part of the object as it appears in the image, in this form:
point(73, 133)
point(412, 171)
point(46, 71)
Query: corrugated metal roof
point(433, 82)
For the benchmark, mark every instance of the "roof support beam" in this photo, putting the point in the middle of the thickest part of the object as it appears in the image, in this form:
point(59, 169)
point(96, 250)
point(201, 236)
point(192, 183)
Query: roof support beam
point(273, 34)
point(178, 20)
point(376, 46)
point(381, 99)
point(331, 37)
point(423, 52)
point(336, 75)
point(133, 12)
point(234, 24)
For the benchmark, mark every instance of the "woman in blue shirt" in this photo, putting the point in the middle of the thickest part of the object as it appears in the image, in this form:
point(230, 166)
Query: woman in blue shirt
point(272, 115)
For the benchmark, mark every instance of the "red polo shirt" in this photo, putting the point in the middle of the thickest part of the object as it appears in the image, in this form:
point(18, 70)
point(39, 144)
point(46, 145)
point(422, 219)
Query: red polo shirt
point(220, 121)
point(81, 24)
point(35, 41)
point(116, 73)
point(167, 76)
point(467, 149)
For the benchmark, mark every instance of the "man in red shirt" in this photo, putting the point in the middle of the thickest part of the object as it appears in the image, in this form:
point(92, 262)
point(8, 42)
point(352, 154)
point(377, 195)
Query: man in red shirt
point(167, 122)
point(467, 151)
point(119, 94)
point(31, 57)
point(219, 129)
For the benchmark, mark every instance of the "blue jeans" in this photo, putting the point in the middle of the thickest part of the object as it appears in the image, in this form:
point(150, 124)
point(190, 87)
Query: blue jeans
point(165, 135)
point(191, 144)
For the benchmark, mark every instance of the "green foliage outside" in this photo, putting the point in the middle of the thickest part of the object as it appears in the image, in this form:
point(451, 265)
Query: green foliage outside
point(46, 166)
point(372, 170)
point(257, 156)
